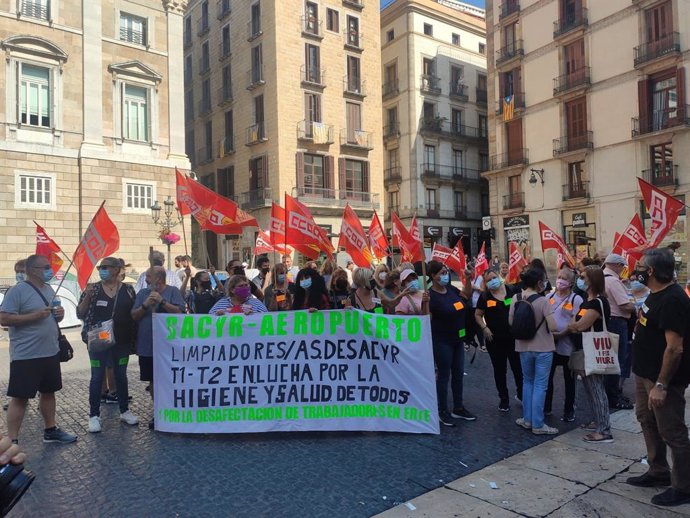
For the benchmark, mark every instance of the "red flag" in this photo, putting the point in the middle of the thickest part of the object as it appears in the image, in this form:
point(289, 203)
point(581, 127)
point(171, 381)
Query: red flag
point(632, 237)
point(264, 245)
point(101, 239)
point(48, 248)
point(616, 249)
point(277, 226)
point(440, 253)
point(182, 192)
point(457, 261)
point(301, 229)
point(663, 210)
point(516, 262)
point(551, 240)
point(377, 238)
point(411, 248)
point(354, 240)
point(481, 264)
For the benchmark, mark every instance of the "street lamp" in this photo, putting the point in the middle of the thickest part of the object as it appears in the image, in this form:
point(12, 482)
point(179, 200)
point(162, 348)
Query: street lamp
point(170, 220)
point(533, 177)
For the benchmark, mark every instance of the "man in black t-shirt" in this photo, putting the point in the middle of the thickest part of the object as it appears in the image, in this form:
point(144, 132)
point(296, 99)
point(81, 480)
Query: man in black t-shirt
point(661, 362)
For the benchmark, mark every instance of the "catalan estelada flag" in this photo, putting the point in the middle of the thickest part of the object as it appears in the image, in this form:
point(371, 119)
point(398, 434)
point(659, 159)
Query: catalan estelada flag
point(508, 107)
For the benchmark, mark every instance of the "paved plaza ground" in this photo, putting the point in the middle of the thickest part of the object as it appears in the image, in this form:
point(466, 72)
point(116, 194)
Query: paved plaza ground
point(131, 471)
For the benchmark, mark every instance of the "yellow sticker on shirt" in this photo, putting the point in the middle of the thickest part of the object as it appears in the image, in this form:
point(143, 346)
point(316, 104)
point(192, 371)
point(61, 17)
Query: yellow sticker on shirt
point(458, 305)
point(490, 303)
point(582, 313)
point(552, 301)
point(568, 307)
point(280, 298)
point(643, 320)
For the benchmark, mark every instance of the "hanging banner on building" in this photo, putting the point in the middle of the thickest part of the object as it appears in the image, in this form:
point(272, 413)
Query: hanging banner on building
point(294, 371)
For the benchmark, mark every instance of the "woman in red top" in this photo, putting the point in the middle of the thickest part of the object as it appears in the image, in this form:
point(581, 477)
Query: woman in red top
point(310, 291)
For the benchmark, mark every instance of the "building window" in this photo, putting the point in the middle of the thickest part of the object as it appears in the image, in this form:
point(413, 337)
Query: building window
point(257, 65)
point(255, 23)
point(204, 17)
point(205, 58)
point(312, 58)
point(188, 70)
point(133, 29)
point(187, 31)
point(658, 23)
point(483, 126)
point(258, 173)
point(428, 29)
point(226, 181)
point(314, 177)
point(189, 146)
point(208, 141)
point(227, 83)
point(189, 106)
point(458, 201)
point(455, 39)
point(390, 35)
point(353, 31)
point(457, 161)
point(205, 97)
point(225, 42)
point(312, 108)
point(514, 184)
point(34, 191)
point(393, 200)
point(456, 120)
point(353, 112)
point(662, 164)
point(332, 20)
point(39, 9)
point(135, 113)
point(430, 157)
point(457, 80)
point(483, 162)
point(354, 82)
point(354, 177)
point(137, 196)
point(431, 199)
point(482, 48)
point(311, 12)
point(393, 158)
point(35, 96)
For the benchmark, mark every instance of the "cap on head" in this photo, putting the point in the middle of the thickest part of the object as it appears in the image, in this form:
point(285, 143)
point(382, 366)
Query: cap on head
point(615, 259)
point(406, 273)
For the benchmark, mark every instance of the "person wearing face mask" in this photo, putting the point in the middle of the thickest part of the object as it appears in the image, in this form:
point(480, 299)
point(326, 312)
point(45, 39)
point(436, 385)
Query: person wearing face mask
point(449, 309)
point(364, 296)
point(392, 293)
point(416, 301)
point(239, 299)
point(264, 266)
point(380, 274)
point(235, 267)
point(201, 297)
point(310, 291)
point(20, 270)
point(340, 289)
point(566, 305)
point(278, 294)
point(157, 258)
point(105, 300)
point(492, 318)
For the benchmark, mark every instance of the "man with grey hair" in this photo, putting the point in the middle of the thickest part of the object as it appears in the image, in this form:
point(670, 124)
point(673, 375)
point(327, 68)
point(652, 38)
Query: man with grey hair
point(661, 363)
point(157, 258)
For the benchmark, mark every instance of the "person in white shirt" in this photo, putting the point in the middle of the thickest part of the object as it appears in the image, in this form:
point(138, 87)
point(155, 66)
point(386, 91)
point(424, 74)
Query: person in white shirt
point(158, 259)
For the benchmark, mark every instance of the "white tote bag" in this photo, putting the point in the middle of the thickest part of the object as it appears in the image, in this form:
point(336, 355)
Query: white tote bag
point(601, 349)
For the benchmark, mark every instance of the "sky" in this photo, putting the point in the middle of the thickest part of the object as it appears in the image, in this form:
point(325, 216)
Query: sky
point(478, 3)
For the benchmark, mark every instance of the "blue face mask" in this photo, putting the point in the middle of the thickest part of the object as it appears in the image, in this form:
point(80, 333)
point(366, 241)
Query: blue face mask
point(444, 279)
point(582, 284)
point(494, 283)
point(47, 275)
point(19, 276)
point(281, 278)
point(104, 274)
point(636, 285)
point(305, 284)
point(639, 302)
point(413, 285)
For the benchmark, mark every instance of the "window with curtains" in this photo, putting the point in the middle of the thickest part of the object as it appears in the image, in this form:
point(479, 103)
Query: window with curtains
point(664, 102)
point(135, 113)
point(35, 95)
point(662, 164)
point(576, 177)
point(354, 178)
point(314, 174)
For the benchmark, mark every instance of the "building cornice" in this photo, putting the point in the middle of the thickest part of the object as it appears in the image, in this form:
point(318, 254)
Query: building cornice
point(175, 6)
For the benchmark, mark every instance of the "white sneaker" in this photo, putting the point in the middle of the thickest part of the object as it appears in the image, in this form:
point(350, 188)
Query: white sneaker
point(94, 424)
point(129, 418)
point(545, 430)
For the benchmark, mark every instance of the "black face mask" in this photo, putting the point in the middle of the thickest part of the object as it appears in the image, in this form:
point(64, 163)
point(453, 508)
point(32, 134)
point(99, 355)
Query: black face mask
point(238, 270)
point(205, 285)
point(265, 271)
point(641, 276)
point(341, 284)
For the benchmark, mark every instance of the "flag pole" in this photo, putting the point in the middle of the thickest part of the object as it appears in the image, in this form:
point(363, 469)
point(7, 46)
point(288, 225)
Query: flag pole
point(184, 235)
point(61, 250)
point(71, 262)
point(424, 259)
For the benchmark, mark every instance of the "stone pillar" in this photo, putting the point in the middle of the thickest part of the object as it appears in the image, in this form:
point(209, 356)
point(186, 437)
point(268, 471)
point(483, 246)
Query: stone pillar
point(92, 81)
point(176, 125)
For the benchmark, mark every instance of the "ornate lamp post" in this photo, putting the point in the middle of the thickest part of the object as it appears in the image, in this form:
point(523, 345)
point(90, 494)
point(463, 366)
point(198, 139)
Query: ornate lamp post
point(171, 218)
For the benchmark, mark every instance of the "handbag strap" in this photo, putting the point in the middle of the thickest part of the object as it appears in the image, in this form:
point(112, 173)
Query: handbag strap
point(603, 316)
point(46, 302)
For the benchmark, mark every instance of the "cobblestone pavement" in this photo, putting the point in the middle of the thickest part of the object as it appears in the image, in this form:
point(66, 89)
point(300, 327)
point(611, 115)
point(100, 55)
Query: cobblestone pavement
point(131, 471)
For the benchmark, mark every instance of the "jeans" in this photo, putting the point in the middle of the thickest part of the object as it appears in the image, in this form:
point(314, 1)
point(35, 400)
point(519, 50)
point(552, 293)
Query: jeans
point(450, 365)
point(663, 428)
point(99, 361)
point(568, 382)
point(612, 383)
point(501, 351)
point(535, 379)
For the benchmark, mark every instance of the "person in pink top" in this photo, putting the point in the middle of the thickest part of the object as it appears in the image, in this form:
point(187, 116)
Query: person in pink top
point(416, 302)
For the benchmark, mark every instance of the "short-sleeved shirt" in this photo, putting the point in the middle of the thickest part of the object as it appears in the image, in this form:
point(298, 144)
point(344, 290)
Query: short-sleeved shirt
point(101, 309)
point(280, 300)
point(496, 311)
point(171, 279)
point(598, 324)
point(542, 342)
point(38, 339)
point(171, 295)
point(616, 293)
point(410, 304)
point(201, 303)
point(665, 310)
point(225, 303)
point(565, 308)
point(448, 315)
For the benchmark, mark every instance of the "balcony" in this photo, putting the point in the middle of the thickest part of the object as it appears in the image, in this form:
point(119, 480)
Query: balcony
point(481, 96)
point(354, 4)
point(35, 9)
point(353, 85)
point(359, 199)
point(255, 134)
point(309, 194)
point(224, 50)
point(662, 177)
point(565, 145)
point(518, 103)
point(203, 27)
point(515, 200)
point(391, 131)
point(256, 198)
point(458, 91)
point(448, 173)
point(223, 9)
point(513, 50)
point(254, 29)
point(513, 158)
point(576, 191)
point(660, 120)
point(665, 46)
point(317, 132)
point(390, 89)
point(507, 9)
point(439, 126)
point(392, 174)
point(335, 198)
point(255, 77)
point(570, 22)
point(311, 27)
point(313, 76)
point(432, 210)
point(225, 95)
point(204, 155)
point(578, 79)
point(463, 213)
point(430, 84)
point(353, 40)
point(226, 146)
point(356, 139)
point(204, 107)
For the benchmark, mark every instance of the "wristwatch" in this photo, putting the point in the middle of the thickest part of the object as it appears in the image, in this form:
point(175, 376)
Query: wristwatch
point(661, 386)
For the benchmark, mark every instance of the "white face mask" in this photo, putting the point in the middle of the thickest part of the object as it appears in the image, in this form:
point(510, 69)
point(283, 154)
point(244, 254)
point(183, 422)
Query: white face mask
point(382, 276)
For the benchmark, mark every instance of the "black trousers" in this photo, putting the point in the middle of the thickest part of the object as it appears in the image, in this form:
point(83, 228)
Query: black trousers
point(568, 380)
point(502, 351)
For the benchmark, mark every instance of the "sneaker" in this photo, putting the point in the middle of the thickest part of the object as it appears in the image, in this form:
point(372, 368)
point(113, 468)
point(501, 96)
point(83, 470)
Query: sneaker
point(58, 435)
point(445, 419)
point(524, 424)
point(504, 406)
point(647, 480)
point(623, 403)
point(129, 418)
point(568, 417)
point(94, 424)
point(462, 413)
point(545, 430)
point(104, 397)
point(114, 395)
point(109, 398)
point(671, 497)
point(518, 399)
point(598, 437)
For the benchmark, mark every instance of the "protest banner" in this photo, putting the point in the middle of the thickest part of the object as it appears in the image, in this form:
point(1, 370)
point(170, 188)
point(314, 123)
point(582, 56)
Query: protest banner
point(294, 371)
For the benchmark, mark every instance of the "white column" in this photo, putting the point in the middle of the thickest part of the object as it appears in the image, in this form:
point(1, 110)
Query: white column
point(176, 123)
point(92, 53)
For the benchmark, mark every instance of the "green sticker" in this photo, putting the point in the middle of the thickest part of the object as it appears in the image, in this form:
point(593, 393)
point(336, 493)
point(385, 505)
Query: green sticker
point(378, 310)
point(95, 364)
point(123, 361)
point(507, 302)
point(461, 333)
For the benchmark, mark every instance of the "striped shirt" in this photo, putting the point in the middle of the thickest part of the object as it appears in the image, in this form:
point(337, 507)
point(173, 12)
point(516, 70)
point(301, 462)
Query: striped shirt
point(225, 304)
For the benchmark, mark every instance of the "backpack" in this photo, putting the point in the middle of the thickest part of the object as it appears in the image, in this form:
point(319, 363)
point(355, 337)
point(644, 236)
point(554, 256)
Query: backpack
point(524, 326)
